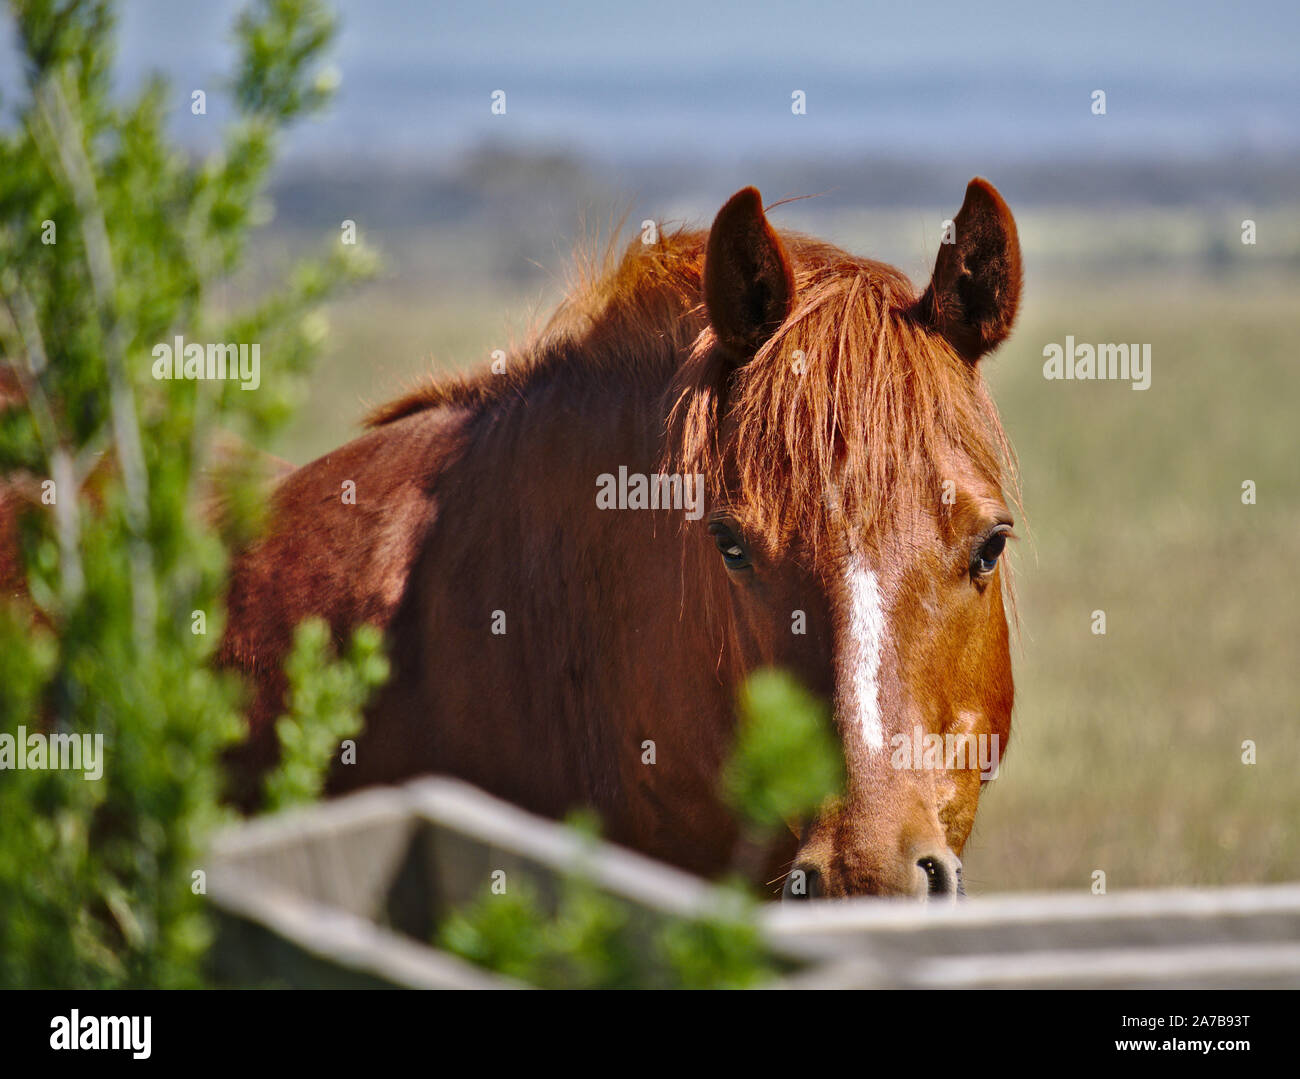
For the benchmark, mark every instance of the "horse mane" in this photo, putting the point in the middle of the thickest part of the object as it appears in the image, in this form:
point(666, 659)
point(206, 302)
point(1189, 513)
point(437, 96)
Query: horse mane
point(617, 312)
point(851, 394)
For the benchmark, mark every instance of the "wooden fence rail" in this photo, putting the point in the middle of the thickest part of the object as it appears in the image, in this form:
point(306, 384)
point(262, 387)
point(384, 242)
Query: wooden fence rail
point(349, 893)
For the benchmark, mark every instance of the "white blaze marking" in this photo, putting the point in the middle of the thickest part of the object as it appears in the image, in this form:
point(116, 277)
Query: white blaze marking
point(866, 640)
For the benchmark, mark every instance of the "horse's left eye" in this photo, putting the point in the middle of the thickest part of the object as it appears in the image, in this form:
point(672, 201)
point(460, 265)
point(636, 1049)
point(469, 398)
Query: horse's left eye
point(733, 551)
point(986, 558)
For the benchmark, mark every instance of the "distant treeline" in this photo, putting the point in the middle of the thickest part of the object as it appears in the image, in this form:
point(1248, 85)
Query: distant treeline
point(498, 184)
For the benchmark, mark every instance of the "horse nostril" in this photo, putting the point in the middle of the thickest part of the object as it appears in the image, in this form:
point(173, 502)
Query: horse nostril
point(942, 874)
point(804, 882)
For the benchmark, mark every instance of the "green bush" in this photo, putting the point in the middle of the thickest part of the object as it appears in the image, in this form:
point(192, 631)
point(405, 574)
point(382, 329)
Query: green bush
point(325, 701)
point(787, 759)
point(112, 241)
point(593, 941)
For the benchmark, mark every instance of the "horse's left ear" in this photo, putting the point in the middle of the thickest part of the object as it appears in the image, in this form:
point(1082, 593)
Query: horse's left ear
point(748, 282)
point(975, 291)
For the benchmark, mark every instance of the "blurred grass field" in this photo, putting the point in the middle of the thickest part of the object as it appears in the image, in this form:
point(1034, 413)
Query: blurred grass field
point(1127, 748)
point(1126, 755)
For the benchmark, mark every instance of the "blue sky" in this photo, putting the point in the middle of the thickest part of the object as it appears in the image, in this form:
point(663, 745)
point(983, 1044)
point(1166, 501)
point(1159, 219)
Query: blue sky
point(715, 79)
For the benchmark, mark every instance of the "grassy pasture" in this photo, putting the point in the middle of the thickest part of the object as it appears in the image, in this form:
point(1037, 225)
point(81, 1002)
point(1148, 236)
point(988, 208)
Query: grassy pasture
point(1127, 749)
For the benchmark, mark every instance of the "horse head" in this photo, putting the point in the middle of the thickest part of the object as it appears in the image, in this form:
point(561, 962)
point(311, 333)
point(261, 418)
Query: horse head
point(857, 520)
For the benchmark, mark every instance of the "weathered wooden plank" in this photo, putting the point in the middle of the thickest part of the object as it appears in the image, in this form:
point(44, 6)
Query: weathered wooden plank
point(1021, 923)
point(349, 892)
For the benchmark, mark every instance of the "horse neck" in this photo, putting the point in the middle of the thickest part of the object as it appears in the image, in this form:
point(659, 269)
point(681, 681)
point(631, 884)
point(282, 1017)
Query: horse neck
point(615, 589)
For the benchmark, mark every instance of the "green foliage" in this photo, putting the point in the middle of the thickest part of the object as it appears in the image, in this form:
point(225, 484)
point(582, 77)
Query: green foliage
point(95, 875)
point(593, 941)
point(585, 945)
point(787, 759)
point(718, 952)
point(326, 699)
point(503, 933)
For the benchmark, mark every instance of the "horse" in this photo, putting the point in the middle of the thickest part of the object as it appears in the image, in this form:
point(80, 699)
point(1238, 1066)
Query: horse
point(545, 623)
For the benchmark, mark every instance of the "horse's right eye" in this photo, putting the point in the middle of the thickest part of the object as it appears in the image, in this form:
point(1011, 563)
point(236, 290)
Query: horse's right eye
point(733, 551)
point(989, 551)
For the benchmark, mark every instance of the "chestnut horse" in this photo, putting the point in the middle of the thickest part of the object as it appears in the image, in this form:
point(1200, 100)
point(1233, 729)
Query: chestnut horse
point(543, 622)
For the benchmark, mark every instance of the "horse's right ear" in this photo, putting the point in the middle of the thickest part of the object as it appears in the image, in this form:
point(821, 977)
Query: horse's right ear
point(748, 282)
point(975, 291)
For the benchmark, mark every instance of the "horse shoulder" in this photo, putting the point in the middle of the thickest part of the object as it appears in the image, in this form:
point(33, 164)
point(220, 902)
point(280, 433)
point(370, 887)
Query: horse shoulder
point(344, 531)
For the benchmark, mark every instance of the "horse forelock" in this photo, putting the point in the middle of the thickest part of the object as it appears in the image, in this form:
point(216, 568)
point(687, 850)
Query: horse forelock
point(851, 412)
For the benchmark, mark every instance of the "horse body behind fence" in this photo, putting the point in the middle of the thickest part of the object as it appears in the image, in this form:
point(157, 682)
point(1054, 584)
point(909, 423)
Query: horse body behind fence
point(545, 628)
